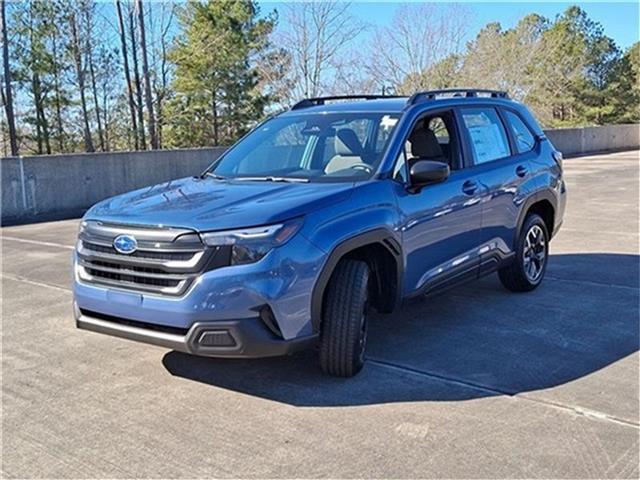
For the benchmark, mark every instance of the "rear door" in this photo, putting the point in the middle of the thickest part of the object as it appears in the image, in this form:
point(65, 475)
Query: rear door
point(500, 161)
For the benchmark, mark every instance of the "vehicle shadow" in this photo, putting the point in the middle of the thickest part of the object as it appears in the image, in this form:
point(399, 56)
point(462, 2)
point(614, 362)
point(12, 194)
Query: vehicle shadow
point(475, 341)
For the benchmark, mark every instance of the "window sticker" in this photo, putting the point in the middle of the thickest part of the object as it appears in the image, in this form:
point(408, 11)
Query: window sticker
point(488, 142)
point(388, 122)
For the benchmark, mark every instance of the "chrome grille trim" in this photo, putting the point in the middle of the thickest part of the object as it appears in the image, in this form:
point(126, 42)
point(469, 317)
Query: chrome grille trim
point(138, 287)
point(146, 233)
point(115, 268)
point(86, 252)
point(166, 262)
point(143, 246)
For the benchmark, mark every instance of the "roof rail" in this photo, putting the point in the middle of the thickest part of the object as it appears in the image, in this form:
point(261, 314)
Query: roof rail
point(315, 101)
point(454, 92)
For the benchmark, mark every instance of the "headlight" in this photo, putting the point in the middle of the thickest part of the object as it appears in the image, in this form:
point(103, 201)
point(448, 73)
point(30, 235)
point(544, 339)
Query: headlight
point(248, 245)
point(81, 229)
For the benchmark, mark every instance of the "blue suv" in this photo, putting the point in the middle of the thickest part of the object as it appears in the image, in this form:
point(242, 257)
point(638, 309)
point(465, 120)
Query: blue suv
point(336, 207)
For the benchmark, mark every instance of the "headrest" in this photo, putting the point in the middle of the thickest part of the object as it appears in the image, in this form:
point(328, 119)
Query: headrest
point(346, 143)
point(424, 144)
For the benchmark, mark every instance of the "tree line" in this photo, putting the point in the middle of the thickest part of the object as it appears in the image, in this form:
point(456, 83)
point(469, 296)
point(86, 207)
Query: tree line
point(134, 74)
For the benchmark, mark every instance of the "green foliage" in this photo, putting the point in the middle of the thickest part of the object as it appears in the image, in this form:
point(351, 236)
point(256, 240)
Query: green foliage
point(216, 99)
point(34, 26)
point(567, 70)
point(624, 88)
point(216, 73)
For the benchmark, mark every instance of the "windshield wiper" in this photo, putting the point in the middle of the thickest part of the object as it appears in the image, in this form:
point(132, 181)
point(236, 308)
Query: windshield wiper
point(275, 179)
point(214, 176)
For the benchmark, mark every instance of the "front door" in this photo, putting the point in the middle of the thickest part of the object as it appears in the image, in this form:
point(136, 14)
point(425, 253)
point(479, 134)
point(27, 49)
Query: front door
point(440, 223)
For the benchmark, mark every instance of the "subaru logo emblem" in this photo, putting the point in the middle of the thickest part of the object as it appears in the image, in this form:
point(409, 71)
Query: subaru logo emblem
point(125, 244)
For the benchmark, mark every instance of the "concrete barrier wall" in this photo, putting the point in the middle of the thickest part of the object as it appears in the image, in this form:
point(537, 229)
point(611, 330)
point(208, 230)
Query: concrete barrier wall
point(41, 188)
point(55, 187)
point(581, 141)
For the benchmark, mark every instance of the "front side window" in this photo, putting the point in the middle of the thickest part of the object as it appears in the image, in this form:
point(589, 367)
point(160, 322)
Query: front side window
point(439, 128)
point(487, 134)
point(433, 137)
point(328, 146)
point(525, 141)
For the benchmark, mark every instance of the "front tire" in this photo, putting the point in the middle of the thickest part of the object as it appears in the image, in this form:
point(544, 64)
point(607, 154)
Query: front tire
point(344, 324)
point(532, 254)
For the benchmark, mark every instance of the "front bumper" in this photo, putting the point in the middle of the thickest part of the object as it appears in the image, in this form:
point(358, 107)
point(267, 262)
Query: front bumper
point(283, 281)
point(246, 338)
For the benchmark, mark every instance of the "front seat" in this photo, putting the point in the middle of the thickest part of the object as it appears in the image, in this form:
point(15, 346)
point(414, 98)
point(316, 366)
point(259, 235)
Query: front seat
point(348, 151)
point(424, 145)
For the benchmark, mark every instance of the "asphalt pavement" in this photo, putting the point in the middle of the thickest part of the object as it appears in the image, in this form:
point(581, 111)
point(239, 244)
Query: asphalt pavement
point(475, 383)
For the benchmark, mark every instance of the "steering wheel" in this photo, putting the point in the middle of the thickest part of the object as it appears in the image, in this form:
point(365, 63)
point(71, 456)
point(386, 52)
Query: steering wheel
point(362, 166)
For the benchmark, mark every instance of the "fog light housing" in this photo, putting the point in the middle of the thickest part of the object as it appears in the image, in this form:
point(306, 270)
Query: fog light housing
point(216, 338)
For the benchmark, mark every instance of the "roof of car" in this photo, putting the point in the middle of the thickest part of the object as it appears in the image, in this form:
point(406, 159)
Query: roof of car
point(396, 104)
point(390, 105)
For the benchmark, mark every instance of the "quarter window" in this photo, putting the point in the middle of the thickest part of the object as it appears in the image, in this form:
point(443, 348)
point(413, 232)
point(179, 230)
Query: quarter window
point(488, 138)
point(525, 141)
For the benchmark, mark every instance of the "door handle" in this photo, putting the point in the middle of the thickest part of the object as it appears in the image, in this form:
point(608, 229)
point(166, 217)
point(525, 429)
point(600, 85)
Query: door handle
point(521, 170)
point(469, 187)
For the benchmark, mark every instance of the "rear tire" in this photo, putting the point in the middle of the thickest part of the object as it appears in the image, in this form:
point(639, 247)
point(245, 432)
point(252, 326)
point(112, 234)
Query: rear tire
point(526, 272)
point(344, 323)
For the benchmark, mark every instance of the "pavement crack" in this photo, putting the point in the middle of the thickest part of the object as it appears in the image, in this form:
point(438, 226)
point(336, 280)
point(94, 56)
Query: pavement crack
point(594, 414)
point(18, 278)
point(585, 412)
point(36, 242)
point(590, 282)
point(435, 376)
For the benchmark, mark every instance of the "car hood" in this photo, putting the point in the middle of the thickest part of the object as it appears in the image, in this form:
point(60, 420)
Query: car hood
point(209, 204)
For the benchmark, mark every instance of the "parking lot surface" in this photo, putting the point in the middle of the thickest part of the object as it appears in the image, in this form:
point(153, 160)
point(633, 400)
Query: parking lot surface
point(476, 382)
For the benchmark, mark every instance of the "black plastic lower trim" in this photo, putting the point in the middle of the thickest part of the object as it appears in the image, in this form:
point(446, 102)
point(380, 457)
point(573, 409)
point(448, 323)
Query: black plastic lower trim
point(244, 338)
point(380, 236)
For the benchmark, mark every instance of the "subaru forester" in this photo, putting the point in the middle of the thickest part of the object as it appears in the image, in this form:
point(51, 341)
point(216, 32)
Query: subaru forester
point(321, 214)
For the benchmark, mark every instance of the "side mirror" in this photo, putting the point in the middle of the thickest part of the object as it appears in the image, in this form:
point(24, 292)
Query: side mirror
point(427, 172)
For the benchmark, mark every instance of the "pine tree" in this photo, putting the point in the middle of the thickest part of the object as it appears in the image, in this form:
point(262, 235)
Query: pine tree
point(215, 80)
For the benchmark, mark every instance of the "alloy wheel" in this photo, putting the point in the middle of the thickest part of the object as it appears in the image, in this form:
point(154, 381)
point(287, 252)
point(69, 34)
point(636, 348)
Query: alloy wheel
point(535, 253)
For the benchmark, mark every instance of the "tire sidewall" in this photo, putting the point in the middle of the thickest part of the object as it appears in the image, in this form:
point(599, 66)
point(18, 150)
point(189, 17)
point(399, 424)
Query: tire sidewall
point(343, 338)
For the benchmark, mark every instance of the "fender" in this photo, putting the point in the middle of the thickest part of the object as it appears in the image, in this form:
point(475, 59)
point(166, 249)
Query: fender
point(544, 194)
point(380, 236)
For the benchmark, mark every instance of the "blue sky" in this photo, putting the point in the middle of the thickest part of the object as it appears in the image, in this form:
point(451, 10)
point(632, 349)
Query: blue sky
point(620, 20)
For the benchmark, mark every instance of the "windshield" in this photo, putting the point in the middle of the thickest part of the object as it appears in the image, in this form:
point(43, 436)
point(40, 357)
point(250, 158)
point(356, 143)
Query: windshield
point(308, 147)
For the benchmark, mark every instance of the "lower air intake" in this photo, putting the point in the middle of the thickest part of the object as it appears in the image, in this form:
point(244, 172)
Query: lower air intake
point(216, 338)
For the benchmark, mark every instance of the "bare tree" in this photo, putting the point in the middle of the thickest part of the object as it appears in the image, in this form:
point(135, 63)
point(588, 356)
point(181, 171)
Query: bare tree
point(420, 35)
point(316, 36)
point(127, 74)
point(76, 49)
point(161, 65)
point(107, 69)
point(88, 14)
point(7, 94)
point(136, 77)
point(147, 80)
point(57, 86)
point(275, 79)
point(37, 62)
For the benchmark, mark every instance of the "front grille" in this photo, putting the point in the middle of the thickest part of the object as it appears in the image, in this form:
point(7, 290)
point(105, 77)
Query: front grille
point(133, 279)
point(166, 262)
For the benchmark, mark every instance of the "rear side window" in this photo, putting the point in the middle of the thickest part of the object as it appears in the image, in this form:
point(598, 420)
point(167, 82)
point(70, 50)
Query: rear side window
point(525, 141)
point(487, 134)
